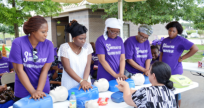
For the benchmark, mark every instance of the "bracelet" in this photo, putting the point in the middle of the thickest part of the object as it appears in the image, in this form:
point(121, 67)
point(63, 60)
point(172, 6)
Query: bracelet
point(85, 79)
point(81, 81)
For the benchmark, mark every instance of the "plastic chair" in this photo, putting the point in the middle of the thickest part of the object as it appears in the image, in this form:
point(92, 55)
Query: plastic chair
point(8, 78)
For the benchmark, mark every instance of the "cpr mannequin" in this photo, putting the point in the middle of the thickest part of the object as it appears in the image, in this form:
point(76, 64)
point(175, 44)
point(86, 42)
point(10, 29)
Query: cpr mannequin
point(102, 84)
point(91, 104)
point(138, 78)
point(58, 94)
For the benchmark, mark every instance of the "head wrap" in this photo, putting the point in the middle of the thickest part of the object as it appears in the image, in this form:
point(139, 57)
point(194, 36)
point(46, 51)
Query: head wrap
point(146, 29)
point(75, 28)
point(112, 23)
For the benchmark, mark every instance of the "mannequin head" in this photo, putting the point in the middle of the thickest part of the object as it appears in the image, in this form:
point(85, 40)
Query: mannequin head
point(60, 93)
point(102, 84)
point(138, 78)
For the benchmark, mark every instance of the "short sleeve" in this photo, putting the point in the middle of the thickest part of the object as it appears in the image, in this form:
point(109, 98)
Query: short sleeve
point(15, 53)
point(149, 52)
point(63, 51)
point(161, 47)
point(128, 49)
point(139, 97)
point(187, 44)
point(50, 57)
point(100, 48)
point(90, 49)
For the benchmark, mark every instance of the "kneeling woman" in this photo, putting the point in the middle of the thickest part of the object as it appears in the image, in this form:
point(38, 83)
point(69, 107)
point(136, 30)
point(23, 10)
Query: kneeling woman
point(76, 58)
point(159, 95)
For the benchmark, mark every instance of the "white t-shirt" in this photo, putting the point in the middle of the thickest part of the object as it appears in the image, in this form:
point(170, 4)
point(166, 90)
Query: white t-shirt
point(77, 63)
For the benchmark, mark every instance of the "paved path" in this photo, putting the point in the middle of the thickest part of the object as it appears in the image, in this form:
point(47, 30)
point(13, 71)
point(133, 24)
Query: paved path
point(193, 98)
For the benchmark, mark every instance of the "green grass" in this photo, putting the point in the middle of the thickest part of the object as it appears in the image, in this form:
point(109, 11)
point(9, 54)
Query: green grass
point(197, 56)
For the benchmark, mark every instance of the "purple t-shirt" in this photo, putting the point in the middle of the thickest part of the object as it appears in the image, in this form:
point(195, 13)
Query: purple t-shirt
point(112, 49)
point(60, 66)
point(172, 50)
point(139, 52)
point(5, 65)
point(22, 53)
point(95, 59)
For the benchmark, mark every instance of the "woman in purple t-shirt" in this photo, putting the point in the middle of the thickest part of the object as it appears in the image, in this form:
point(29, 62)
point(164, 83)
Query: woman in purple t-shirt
point(32, 56)
point(110, 51)
point(173, 46)
point(138, 52)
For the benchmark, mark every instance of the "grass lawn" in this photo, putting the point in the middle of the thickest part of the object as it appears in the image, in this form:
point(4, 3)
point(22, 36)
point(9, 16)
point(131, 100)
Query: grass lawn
point(197, 56)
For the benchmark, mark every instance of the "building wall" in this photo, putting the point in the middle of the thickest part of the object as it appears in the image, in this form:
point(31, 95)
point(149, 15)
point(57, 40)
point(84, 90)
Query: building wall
point(54, 32)
point(49, 34)
point(96, 24)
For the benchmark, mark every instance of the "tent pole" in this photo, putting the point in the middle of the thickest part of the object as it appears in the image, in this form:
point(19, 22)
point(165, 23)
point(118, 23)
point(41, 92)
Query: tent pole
point(120, 15)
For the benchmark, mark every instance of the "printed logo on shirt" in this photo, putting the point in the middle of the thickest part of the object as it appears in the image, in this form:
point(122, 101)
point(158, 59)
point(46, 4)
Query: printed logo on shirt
point(95, 58)
point(141, 53)
point(29, 57)
point(4, 65)
point(109, 48)
point(170, 48)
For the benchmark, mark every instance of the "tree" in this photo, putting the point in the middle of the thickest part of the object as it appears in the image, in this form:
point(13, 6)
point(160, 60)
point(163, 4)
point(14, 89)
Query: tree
point(198, 20)
point(6, 29)
point(16, 12)
point(150, 11)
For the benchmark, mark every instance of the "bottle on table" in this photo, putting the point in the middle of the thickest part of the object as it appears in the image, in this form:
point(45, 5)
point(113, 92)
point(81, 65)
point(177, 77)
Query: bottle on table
point(72, 100)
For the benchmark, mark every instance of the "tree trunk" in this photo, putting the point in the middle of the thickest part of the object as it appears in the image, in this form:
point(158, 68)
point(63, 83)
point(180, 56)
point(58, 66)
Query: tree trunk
point(4, 38)
point(16, 30)
point(15, 25)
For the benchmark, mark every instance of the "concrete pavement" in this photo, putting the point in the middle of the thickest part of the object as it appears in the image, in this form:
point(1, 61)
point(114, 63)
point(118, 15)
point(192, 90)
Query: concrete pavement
point(193, 98)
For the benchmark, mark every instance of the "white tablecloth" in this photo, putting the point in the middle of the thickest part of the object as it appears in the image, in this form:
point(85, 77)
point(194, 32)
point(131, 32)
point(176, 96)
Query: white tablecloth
point(112, 104)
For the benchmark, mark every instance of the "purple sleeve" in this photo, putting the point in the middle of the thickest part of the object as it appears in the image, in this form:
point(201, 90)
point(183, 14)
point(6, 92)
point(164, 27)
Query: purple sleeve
point(187, 44)
point(122, 48)
point(50, 57)
point(100, 48)
point(149, 52)
point(161, 47)
point(15, 53)
point(128, 49)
